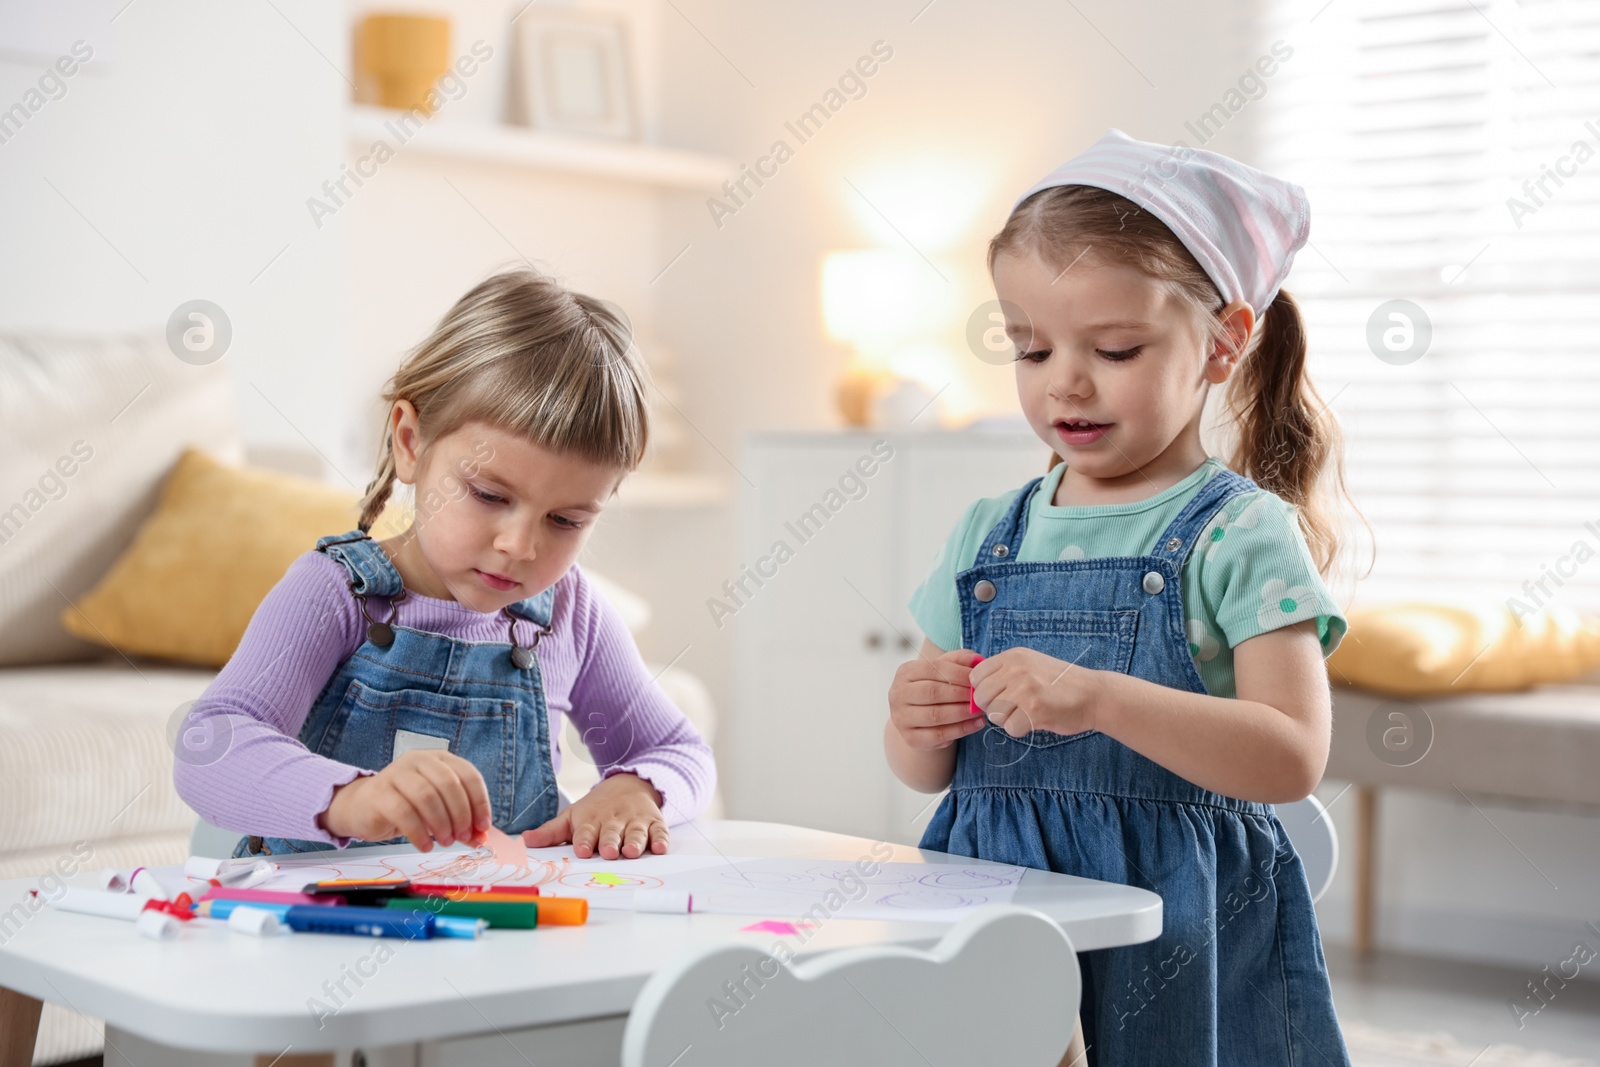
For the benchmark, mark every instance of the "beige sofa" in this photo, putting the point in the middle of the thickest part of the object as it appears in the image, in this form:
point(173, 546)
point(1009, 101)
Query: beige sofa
point(85, 734)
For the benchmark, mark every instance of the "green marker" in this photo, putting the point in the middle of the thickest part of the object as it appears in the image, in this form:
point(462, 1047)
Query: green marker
point(512, 914)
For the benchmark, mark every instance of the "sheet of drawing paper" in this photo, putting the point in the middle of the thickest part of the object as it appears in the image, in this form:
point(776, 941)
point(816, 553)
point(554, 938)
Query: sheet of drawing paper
point(779, 888)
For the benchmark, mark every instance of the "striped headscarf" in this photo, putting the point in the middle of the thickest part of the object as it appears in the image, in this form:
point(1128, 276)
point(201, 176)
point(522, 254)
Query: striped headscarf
point(1242, 225)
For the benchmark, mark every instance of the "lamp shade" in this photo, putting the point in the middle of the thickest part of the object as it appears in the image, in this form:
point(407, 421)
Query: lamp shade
point(876, 299)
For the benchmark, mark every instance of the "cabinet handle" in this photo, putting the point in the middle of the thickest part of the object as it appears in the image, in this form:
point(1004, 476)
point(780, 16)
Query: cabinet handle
point(873, 640)
point(905, 643)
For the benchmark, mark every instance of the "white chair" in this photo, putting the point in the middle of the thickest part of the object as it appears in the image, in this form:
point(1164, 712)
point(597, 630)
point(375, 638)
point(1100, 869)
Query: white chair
point(1001, 986)
point(1311, 832)
point(212, 841)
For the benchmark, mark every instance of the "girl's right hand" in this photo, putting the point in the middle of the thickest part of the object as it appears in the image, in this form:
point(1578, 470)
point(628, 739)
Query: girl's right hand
point(928, 699)
point(427, 794)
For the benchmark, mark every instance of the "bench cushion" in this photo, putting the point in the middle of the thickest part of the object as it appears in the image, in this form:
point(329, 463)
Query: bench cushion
point(1541, 745)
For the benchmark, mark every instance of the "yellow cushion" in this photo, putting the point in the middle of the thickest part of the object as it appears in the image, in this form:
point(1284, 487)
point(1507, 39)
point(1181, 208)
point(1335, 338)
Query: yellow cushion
point(1409, 649)
point(219, 539)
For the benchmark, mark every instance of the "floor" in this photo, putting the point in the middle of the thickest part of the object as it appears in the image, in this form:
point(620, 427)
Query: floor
point(1469, 1001)
point(1417, 994)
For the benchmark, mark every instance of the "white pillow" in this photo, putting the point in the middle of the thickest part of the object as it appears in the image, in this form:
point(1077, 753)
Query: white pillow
point(91, 426)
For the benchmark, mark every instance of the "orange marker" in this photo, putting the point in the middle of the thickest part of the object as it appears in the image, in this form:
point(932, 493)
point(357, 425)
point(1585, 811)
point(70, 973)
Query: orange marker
point(562, 911)
point(498, 896)
point(446, 888)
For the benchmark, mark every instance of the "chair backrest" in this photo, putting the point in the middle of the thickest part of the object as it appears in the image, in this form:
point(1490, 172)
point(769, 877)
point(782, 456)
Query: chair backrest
point(1310, 829)
point(212, 841)
point(1001, 986)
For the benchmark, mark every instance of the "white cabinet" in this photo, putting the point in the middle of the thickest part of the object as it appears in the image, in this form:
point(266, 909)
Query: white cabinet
point(835, 532)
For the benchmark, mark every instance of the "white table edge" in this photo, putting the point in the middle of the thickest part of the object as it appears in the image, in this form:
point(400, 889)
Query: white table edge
point(232, 1031)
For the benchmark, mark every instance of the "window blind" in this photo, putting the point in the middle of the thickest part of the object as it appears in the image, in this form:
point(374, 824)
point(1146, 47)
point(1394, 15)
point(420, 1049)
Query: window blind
point(1451, 153)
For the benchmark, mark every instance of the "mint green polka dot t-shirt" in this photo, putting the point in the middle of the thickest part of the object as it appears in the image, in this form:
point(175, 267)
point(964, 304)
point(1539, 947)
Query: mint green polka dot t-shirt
point(1250, 573)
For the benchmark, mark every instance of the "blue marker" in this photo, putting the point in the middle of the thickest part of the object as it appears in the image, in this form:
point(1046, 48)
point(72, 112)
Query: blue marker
point(353, 919)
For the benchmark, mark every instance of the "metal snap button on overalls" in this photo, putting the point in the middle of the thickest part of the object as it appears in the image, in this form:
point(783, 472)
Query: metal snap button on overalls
point(522, 657)
point(1000, 551)
point(380, 632)
point(984, 590)
point(1153, 582)
point(1174, 543)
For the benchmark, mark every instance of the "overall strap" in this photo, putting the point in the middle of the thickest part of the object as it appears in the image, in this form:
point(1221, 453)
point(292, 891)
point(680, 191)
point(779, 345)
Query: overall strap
point(1006, 536)
point(1179, 537)
point(371, 573)
point(536, 609)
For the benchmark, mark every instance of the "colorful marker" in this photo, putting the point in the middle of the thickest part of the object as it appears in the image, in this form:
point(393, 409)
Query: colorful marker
point(412, 924)
point(439, 889)
point(509, 914)
point(502, 895)
point(155, 919)
point(345, 885)
point(271, 896)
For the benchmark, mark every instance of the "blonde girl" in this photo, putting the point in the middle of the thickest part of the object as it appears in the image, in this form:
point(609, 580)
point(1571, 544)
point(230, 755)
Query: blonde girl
point(413, 688)
point(1143, 629)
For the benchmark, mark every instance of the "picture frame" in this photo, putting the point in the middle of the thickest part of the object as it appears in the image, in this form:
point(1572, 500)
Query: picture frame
point(575, 74)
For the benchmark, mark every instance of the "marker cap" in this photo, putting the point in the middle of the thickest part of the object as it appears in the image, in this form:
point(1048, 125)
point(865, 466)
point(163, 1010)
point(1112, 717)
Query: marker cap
point(157, 925)
point(258, 922)
point(458, 926)
point(562, 911)
point(663, 901)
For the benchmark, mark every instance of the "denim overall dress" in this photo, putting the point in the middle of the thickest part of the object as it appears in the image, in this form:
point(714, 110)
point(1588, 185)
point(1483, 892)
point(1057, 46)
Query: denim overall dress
point(405, 688)
point(1237, 976)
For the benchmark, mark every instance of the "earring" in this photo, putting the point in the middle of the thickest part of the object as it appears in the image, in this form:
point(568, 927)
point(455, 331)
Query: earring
point(522, 658)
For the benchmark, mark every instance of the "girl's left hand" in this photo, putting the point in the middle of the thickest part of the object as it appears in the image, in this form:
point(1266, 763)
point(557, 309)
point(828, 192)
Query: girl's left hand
point(621, 817)
point(1021, 690)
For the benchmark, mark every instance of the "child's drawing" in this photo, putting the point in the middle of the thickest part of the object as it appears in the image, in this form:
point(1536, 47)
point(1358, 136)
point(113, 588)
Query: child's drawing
point(734, 885)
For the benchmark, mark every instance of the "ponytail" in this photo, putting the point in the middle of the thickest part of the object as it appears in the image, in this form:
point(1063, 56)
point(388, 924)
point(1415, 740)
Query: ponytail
point(381, 486)
point(1287, 439)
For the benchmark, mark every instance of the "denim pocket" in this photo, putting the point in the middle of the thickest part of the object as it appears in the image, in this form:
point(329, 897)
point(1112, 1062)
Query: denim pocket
point(482, 730)
point(1094, 640)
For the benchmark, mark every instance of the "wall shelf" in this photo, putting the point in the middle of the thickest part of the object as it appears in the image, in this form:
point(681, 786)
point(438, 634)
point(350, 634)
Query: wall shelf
point(519, 146)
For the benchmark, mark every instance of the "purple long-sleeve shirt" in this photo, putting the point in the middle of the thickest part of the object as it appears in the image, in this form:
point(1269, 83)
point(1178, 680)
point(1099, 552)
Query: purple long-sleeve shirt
point(266, 782)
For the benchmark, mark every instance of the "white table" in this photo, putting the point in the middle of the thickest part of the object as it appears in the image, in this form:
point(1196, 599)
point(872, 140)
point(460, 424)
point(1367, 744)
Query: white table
point(454, 1001)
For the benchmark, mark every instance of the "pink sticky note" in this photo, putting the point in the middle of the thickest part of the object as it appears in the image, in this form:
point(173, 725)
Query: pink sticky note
point(972, 698)
point(774, 926)
point(508, 851)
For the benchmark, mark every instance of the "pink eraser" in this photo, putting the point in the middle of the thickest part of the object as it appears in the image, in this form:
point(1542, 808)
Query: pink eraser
point(972, 700)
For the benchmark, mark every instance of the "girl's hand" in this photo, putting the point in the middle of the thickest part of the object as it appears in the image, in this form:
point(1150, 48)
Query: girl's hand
point(621, 816)
point(1021, 690)
point(928, 700)
point(427, 794)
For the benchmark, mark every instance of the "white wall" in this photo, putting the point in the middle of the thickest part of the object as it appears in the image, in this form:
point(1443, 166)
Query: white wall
point(976, 102)
point(1499, 881)
point(174, 168)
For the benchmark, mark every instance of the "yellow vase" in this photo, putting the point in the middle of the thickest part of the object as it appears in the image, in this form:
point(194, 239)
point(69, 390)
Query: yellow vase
point(405, 55)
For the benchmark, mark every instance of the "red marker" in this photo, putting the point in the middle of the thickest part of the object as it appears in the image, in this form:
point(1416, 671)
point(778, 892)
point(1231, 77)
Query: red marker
point(440, 889)
point(972, 694)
